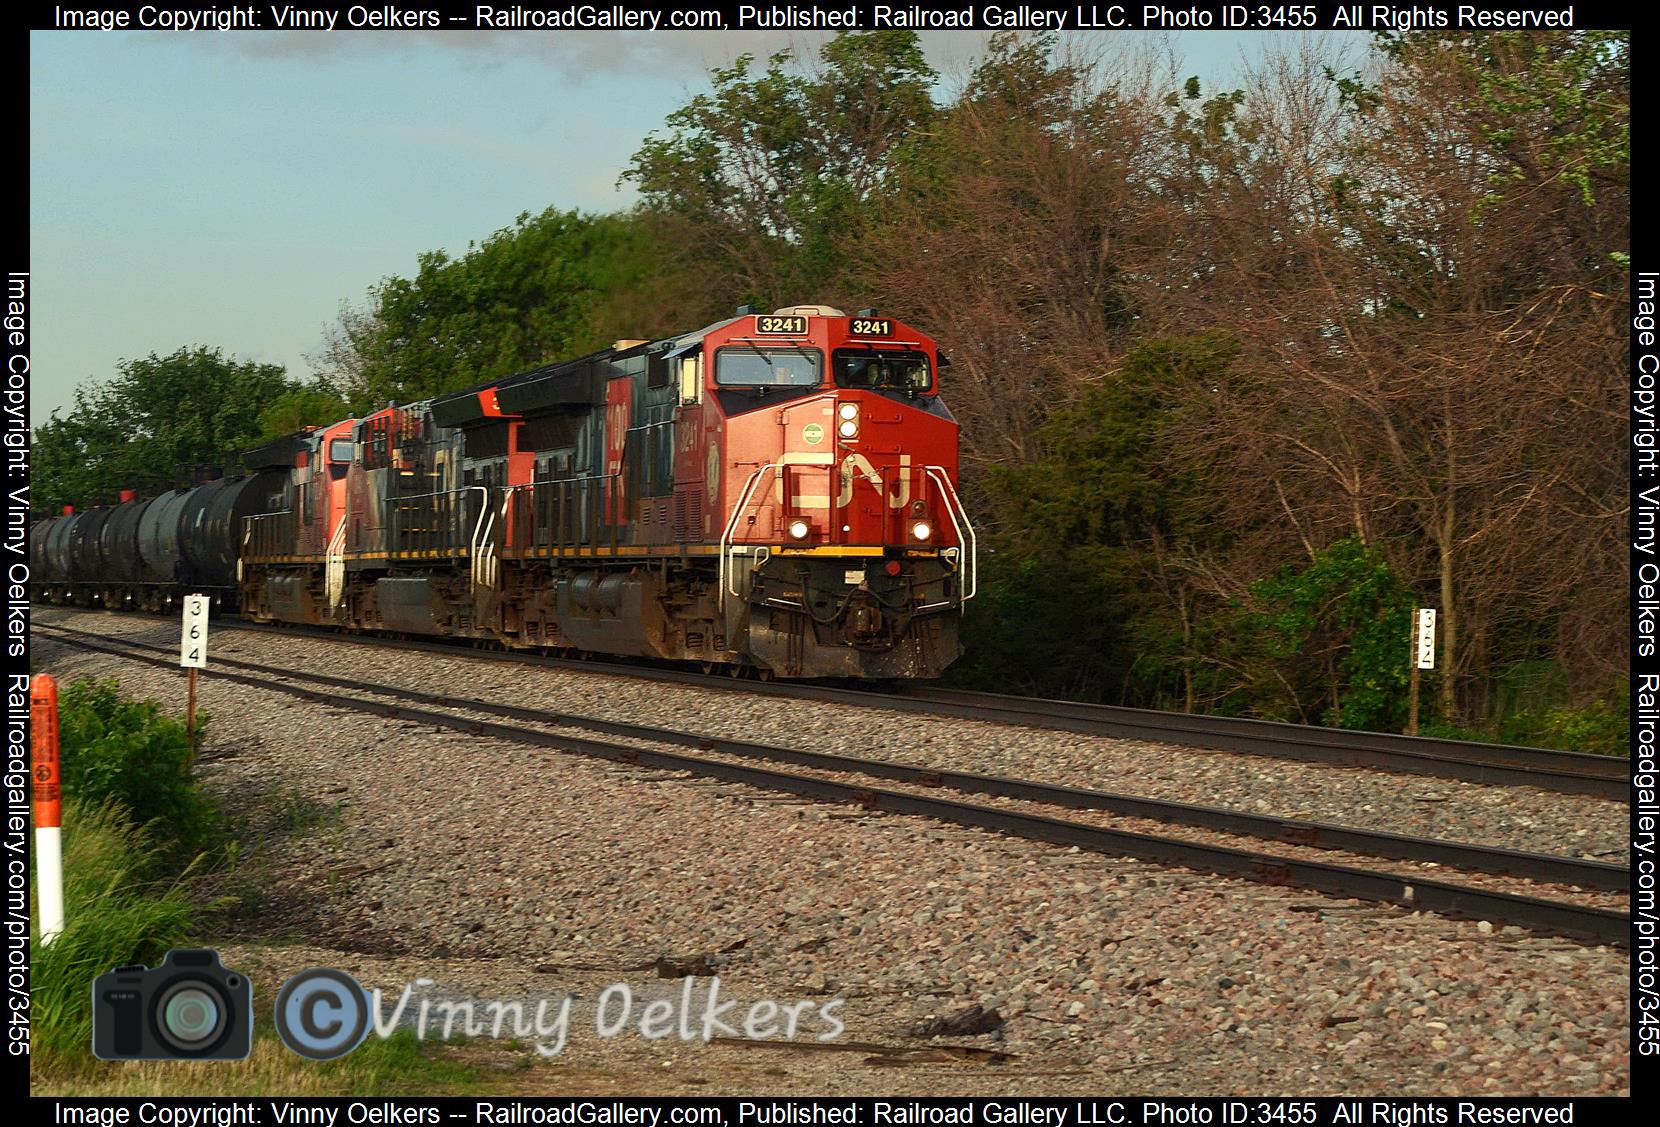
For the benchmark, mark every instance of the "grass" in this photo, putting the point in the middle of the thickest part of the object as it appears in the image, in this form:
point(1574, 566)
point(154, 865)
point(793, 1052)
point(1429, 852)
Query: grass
point(399, 1065)
point(114, 916)
point(120, 750)
point(146, 861)
point(1600, 728)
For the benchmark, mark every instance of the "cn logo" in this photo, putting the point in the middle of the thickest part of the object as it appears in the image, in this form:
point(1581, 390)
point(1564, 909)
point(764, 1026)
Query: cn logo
point(857, 467)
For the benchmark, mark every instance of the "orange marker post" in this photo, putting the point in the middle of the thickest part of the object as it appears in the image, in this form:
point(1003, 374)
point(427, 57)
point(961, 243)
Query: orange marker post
point(47, 795)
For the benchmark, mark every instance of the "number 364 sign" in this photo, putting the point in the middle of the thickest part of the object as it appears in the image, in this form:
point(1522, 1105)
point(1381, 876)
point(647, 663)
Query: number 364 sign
point(193, 642)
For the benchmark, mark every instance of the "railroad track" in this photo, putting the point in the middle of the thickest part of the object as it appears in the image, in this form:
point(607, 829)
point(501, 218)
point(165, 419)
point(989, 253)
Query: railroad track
point(1563, 772)
point(1548, 916)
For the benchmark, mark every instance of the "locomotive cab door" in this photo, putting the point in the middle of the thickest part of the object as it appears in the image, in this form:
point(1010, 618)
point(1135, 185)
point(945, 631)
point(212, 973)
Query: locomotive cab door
point(696, 471)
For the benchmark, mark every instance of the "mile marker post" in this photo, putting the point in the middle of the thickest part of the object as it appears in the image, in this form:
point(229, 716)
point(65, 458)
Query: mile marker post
point(1422, 650)
point(193, 655)
point(47, 799)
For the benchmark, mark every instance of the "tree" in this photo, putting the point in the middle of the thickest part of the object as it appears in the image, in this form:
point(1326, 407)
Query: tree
point(549, 287)
point(1421, 266)
point(765, 178)
point(1014, 237)
point(157, 424)
point(312, 405)
point(1326, 641)
point(1094, 535)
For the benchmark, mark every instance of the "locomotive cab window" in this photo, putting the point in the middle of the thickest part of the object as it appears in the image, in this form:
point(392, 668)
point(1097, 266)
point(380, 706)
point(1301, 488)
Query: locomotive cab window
point(340, 457)
point(899, 371)
point(769, 367)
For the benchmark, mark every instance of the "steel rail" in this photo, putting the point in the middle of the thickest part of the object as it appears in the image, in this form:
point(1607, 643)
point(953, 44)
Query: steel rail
point(1213, 728)
point(1550, 917)
point(1474, 857)
point(1563, 772)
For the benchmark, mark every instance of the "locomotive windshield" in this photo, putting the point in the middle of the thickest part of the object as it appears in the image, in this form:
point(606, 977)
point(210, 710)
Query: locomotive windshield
point(768, 367)
point(903, 371)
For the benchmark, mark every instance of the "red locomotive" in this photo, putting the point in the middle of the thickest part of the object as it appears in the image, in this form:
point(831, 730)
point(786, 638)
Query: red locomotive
point(774, 492)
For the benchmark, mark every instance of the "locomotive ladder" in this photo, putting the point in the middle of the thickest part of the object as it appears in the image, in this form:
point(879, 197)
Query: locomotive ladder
point(727, 566)
point(960, 524)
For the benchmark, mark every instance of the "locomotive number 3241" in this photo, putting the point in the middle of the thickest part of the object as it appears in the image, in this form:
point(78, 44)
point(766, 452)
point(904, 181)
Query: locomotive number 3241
point(871, 327)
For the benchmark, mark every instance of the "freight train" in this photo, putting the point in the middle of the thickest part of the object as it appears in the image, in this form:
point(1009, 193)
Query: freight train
point(775, 492)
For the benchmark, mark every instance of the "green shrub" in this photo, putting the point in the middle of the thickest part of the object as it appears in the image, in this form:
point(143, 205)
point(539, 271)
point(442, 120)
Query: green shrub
point(113, 916)
point(126, 751)
point(1600, 728)
point(1328, 633)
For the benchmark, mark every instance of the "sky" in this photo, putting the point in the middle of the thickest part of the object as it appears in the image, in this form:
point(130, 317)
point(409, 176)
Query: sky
point(233, 190)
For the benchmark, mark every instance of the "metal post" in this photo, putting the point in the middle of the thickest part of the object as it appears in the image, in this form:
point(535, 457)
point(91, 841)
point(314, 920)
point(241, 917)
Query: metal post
point(190, 712)
point(47, 796)
point(193, 644)
point(1412, 667)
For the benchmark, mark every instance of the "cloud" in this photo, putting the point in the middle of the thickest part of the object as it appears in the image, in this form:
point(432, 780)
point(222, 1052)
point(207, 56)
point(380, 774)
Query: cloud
point(576, 55)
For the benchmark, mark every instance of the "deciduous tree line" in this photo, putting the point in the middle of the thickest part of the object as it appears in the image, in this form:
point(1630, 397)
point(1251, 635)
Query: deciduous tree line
point(1243, 375)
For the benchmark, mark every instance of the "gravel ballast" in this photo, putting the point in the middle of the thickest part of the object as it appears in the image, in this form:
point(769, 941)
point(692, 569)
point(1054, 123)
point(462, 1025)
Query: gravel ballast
point(518, 868)
point(1521, 818)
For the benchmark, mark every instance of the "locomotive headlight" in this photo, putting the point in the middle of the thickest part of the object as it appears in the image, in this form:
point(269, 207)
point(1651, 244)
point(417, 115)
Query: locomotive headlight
point(848, 427)
point(921, 530)
point(799, 529)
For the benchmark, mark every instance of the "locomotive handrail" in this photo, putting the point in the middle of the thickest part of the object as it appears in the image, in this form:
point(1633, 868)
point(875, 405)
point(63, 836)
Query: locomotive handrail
point(334, 566)
point(562, 480)
point(724, 569)
point(443, 533)
point(435, 493)
point(954, 508)
point(261, 549)
point(564, 484)
point(483, 550)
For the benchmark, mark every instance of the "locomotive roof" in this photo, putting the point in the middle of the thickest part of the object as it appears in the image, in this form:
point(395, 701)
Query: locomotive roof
point(281, 451)
point(564, 367)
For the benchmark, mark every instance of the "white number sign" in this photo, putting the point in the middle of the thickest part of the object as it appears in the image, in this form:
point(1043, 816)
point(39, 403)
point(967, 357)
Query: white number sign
point(193, 641)
point(1426, 638)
